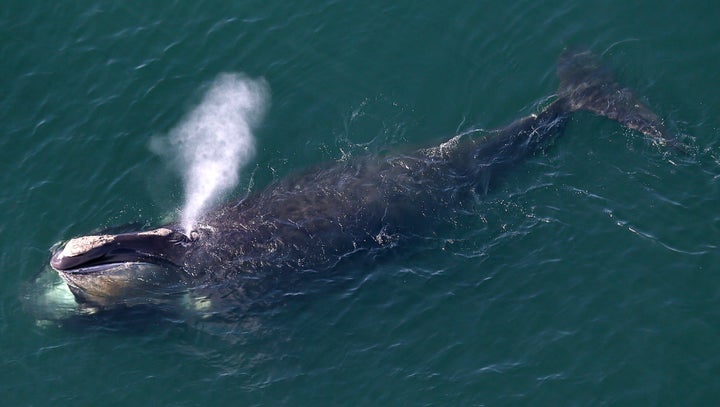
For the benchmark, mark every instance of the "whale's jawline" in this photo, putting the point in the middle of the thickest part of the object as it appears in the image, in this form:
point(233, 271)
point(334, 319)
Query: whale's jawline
point(120, 283)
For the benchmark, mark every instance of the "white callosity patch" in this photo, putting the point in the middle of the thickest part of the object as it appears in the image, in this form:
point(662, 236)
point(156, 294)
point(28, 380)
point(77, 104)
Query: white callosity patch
point(84, 244)
point(215, 140)
point(156, 232)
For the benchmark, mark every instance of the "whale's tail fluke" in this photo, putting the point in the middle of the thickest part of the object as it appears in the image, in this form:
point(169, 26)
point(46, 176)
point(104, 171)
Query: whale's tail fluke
point(585, 84)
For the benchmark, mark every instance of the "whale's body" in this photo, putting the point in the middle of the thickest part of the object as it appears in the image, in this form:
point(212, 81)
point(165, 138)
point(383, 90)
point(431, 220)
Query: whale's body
point(314, 219)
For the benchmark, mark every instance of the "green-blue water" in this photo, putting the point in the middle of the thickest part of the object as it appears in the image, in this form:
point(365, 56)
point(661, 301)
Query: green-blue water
point(590, 277)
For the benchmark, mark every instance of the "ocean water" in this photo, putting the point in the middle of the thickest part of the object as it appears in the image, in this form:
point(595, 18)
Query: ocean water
point(591, 276)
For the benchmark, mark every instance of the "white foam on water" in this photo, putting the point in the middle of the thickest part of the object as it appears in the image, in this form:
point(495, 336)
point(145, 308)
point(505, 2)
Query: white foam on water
point(214, 141)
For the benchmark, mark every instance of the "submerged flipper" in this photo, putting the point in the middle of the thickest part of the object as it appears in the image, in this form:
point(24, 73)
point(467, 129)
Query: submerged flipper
point(585, 84)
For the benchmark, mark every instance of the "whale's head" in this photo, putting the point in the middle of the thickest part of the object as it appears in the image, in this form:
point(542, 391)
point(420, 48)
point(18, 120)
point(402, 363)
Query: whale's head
point(121, 268)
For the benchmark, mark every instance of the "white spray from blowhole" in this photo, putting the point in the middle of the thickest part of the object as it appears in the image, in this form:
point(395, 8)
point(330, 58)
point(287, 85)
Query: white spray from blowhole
point(214, 141)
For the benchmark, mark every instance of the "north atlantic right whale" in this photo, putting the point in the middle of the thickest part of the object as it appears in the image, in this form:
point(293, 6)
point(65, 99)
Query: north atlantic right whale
point(314, 219)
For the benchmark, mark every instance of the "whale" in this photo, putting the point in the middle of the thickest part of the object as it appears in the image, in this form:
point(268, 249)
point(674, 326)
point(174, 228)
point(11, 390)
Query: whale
point(318, 218)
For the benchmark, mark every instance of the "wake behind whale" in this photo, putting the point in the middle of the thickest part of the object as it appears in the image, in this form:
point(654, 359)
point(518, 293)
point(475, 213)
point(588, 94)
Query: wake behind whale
point(314, 219)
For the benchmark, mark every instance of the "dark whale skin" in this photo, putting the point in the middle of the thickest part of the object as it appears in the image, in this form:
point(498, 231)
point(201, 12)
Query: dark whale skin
point(314, 219)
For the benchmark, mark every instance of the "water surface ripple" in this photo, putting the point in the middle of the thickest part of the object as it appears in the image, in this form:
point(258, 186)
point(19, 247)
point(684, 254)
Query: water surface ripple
point(590, 277)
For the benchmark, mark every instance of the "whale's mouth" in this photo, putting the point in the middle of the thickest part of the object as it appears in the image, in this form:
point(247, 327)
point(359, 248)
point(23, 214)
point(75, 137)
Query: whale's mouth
point(123, 268)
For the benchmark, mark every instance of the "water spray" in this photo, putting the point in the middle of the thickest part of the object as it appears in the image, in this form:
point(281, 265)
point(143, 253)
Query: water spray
point(214, 141)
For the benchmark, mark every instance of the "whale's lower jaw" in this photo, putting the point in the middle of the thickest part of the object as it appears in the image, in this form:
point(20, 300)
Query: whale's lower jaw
point(124, 283)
